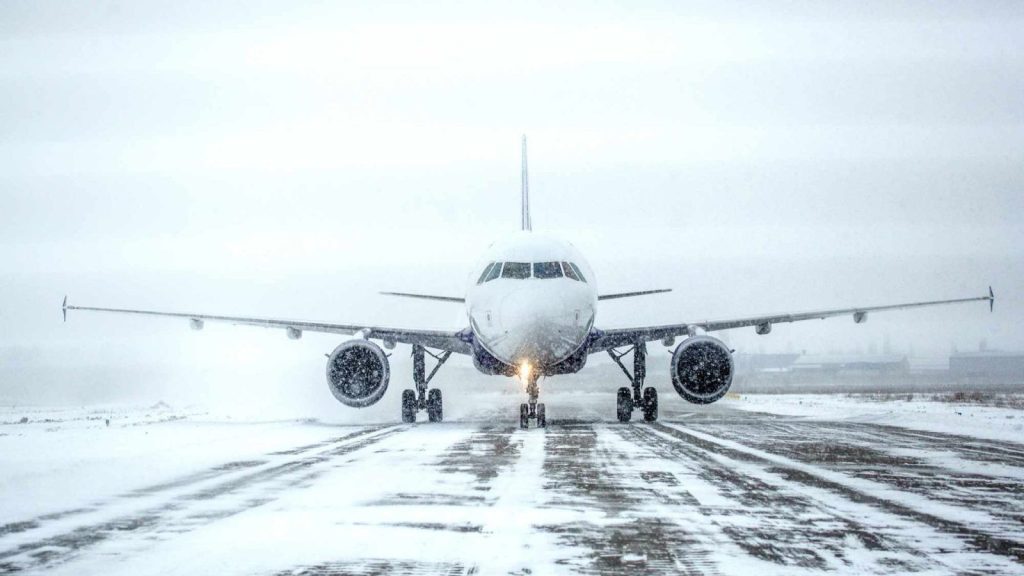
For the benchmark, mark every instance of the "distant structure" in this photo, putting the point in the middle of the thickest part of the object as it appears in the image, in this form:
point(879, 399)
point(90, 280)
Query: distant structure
point(781, 373)
point(753, 363)
point(852, 365)
point(987, 365)
point(822, 364)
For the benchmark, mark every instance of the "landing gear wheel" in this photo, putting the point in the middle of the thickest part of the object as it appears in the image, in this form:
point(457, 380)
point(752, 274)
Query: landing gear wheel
point(524, 416)
point(542, 421)
point(408, 406)
point(624, 404)
point(650, 404)
point(434, 413)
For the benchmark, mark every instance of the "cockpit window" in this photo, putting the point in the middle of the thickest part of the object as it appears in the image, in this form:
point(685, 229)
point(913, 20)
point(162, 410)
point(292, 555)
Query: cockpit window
point(570, 272)
point(487, 270)
point(516, 270)
point(547, 270)
point(493, 272)
point(576, 269)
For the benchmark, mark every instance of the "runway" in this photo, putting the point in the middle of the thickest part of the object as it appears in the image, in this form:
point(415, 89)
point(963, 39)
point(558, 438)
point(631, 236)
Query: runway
point(702, 491)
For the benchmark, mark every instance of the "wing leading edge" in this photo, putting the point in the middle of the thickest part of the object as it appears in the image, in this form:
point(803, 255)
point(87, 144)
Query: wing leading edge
point(426, 297)
point(632, 294)
point(457, 342)
point(626, 336)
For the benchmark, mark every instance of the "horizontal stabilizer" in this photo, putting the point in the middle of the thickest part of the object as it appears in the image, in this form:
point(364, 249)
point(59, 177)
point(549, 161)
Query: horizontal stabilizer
point(631, 294)
point(425, 296)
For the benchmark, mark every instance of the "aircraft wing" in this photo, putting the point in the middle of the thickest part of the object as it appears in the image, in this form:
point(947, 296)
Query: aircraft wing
point(616, 337)
point(453, 341)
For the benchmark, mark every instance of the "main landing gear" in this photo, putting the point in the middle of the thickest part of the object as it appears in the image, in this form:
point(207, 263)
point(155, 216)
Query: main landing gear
point(640, 398)
point(530, 410)
point(421, 399)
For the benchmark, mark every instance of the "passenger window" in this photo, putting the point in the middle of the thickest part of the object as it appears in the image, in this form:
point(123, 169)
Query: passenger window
point(495, 271)
point(516, 270)
point(547, 270)
point(487, 270)
point(569, 272)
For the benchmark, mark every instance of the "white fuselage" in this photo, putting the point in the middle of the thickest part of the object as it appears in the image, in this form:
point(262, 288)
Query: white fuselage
point(539, 307)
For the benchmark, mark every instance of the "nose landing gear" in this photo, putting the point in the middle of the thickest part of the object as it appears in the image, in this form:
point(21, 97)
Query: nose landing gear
point(532, 410)
point(644, 399)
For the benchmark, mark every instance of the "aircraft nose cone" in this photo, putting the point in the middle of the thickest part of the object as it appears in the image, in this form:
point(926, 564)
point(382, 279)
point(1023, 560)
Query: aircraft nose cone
point(537, 327)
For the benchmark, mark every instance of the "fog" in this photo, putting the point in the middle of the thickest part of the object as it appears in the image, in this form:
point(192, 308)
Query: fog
point(293, 159)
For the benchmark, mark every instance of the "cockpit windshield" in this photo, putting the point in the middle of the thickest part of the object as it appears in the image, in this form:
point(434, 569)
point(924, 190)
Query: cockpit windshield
point(547, 270)
point(522, 271)
point(516, 270)
point(571, 271)
point(494, 272)
point(487, 272)
point(579, 274)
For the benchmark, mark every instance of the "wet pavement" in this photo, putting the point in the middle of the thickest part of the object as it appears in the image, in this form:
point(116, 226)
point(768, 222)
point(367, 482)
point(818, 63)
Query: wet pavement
point(699, 492)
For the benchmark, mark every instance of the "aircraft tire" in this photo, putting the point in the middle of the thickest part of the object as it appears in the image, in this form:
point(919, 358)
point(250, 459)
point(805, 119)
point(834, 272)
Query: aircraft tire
point(650, 404)
point(408, 406)
point(434, 405)
point(624, 404)
point(542, 421)
point(524, 416)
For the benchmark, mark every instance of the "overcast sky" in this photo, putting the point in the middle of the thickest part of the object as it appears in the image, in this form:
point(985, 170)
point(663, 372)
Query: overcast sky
point(291, 159)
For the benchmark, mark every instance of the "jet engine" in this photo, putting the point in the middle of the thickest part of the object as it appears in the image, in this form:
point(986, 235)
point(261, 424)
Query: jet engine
point(702, 369)
point(358, 373)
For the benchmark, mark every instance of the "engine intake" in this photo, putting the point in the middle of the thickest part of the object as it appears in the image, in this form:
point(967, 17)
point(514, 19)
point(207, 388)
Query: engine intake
point(358, 373)
point(702, 369)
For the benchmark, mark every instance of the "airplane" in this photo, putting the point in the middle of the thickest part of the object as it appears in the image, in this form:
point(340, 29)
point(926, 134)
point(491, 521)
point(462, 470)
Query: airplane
point(531, 312)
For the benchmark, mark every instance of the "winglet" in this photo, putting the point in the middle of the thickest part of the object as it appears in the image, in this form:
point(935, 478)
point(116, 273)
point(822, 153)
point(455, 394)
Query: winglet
point(527, 224)
point(991, 299)
point(64, 308)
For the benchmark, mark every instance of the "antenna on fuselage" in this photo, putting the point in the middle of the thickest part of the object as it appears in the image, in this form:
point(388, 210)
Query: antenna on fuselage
point(526, 223)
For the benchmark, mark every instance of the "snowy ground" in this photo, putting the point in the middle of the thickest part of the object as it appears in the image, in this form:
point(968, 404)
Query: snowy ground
point(820, 488)
point(921, 412)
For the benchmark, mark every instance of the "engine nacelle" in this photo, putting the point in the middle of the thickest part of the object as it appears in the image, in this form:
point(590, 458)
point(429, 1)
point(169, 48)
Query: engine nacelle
point(702, 369)
point(358, 373)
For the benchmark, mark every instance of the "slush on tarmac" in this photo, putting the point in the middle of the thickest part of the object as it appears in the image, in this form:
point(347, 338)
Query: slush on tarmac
point(704, 490)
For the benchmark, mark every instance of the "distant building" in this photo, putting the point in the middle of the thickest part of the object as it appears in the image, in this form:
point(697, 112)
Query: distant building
point(839, 364)
point(753, 363)
point(767, 364)
point(988, 365)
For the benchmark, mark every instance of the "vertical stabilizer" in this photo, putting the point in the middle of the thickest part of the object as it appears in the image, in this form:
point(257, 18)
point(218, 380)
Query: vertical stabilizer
point(526, 223)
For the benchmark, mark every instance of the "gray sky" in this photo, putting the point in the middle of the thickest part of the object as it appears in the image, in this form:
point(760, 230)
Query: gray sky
point(290, 159)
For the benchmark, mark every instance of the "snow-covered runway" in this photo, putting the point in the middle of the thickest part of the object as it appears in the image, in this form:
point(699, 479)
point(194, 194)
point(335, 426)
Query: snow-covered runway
point(705, 490)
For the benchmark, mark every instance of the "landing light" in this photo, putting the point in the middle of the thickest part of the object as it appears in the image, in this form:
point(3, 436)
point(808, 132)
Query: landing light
point(524, 372)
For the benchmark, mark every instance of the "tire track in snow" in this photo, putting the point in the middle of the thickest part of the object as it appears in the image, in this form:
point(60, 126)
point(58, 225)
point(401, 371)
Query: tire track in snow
point(623, 525)
point(484, 455)
point(783, 528)
point(179, 514)
point(180, 482)
point(454, 499)
point(933, 468)
point(379, 568)
point(992, 554)
point(790, 428)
